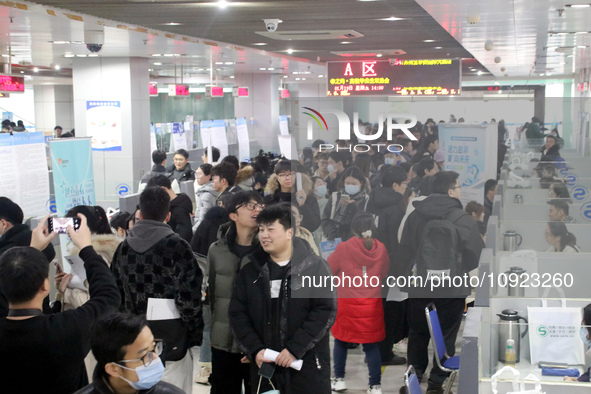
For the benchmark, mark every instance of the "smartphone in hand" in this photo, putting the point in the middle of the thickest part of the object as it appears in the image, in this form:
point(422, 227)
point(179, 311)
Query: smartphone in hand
point(60, 225)
point(58, 268)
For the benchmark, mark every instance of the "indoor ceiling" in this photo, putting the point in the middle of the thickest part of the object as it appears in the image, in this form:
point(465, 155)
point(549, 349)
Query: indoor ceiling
point(198, 39)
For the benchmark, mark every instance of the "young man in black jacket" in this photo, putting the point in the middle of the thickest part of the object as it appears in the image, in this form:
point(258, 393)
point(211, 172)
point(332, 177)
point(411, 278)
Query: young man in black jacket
point(51, 347)
point(442, 203)
point(275, 307)
point(387, 203)
point(181, 208)
point(154, 262)
point(159, 160)
point(181, 169)
point(127, 357)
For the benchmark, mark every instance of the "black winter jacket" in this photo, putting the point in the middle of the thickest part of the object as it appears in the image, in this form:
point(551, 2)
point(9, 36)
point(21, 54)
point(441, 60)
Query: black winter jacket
point(180, 216)
point(306, 316)
point(154, 262)
point(388, 206)
point(437, 206)
point(207, 232)
point(187, 175)
point(310, 210)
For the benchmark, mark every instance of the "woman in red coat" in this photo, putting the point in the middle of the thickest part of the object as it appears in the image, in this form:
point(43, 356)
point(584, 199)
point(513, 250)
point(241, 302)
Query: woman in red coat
point(361, 263)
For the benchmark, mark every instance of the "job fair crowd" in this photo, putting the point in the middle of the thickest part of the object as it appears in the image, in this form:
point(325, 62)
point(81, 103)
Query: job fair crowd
point(233, 269)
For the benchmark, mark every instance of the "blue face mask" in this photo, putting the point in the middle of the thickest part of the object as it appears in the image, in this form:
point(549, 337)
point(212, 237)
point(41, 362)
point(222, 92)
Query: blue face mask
point(352, 189)
point(586, 341)
point(330, 168)
point(148, 376)
point(320, 191)
point(389, 160)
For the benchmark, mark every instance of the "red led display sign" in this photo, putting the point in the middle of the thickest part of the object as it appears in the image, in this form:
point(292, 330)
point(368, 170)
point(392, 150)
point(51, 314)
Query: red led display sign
point(395, 77)
point(153, 89)
point(182, 90)
point(9, 84)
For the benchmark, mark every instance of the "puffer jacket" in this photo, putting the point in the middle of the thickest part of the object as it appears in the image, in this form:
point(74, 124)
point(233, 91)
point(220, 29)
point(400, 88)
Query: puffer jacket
point(180, 221)
point(389, 208)
point(105, 246)
point(310, 210)
point(306, 316)
point(360, 316)
point(339, 226)
point(245, 178)
point(223, 264)
point(206, 199)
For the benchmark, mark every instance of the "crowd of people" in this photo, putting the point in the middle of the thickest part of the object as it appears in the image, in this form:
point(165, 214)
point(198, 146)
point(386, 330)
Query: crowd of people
point(233, 270)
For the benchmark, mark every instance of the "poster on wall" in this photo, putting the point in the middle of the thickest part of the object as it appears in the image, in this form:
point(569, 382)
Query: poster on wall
point(287, 146)
point(471, 151)
point(73, 177)
point(231, 131)
point(103, 124)
point(214, 132)
point(178, 136)
point(189, 132)
point(153, 144)
point(24, 176)
point(243, 139)
point(283, 125)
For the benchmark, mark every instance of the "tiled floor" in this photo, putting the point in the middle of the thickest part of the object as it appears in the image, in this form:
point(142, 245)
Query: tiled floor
point(357, 375)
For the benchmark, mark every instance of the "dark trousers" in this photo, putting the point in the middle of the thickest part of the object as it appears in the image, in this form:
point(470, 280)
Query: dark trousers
point(449, 311)
point(395, 319)
point(372, 355)
point(228, 373)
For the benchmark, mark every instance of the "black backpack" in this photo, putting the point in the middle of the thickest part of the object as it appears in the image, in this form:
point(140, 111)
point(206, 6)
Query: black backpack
point(440, 250)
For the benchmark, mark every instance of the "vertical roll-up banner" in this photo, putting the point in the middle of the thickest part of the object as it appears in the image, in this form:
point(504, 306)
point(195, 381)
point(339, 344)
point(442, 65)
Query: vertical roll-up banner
point(73, 180)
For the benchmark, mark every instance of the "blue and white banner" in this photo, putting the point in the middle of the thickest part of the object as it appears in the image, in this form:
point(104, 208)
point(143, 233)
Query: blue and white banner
point(103, 124)
point(213, 132)
point(471, 151)
point(24, 177)
point(243, 139)
point(178, 136)
point(73, 176)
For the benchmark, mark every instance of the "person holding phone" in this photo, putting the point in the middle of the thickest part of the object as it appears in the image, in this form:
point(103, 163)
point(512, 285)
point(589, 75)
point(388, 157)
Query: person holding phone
point(350, 199)
point(287, 184)
point(57, 361)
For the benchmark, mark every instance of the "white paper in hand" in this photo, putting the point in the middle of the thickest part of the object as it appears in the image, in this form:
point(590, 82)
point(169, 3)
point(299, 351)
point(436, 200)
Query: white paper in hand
point(272, 355)
point(162, 309)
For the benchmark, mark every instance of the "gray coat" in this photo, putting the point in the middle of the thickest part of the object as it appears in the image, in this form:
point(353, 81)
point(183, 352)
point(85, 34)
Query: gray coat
point(223, 268)
point(206, 199)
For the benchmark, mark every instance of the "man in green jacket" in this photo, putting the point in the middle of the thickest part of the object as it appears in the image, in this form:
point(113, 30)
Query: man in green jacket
point(236, 240)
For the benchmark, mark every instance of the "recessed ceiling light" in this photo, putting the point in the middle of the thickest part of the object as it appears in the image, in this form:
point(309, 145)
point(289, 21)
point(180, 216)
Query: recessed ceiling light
point(479, 72)
point(66, 55)
point(346, 42)
point(290, 51)
point(156, 55)
point(271, 69)
point(5, 56)
point(222, 3)
point(541, 75)
point(93, 55)
point(57, 67)
point(157, 64)
point(438, 48)
point(168, 54)
point(379, 55)
point(297, 79)
point(260, 43)
point(582, 46)
point(81, 55)
point(263, 69)
point(428, 40)
point(232, 77)
point(303, 79)
point(285, 76)
point(228, 63)
point(578, 5)
point(22, 72)
point(321, 76)
point(172, 24)
point(391, 19)
point(60, 42)
point(219, 63)
point(36, 70)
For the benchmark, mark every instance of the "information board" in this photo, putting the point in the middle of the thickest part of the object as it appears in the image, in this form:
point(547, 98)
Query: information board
point(395, 77)
point(10, 84)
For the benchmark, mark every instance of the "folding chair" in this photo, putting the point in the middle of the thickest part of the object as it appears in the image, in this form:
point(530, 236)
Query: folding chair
point(444, 362)
point(411, 381)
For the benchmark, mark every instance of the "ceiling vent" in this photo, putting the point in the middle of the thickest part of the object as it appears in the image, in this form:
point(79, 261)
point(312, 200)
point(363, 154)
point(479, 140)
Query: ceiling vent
point(311, 35)
point(374, 53)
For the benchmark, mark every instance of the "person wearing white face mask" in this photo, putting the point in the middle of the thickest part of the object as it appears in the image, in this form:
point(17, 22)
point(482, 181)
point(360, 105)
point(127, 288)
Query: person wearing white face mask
point(128, 358)
point(586, 337)
point(320, 191)
point(336, 167)
point(350, 199)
